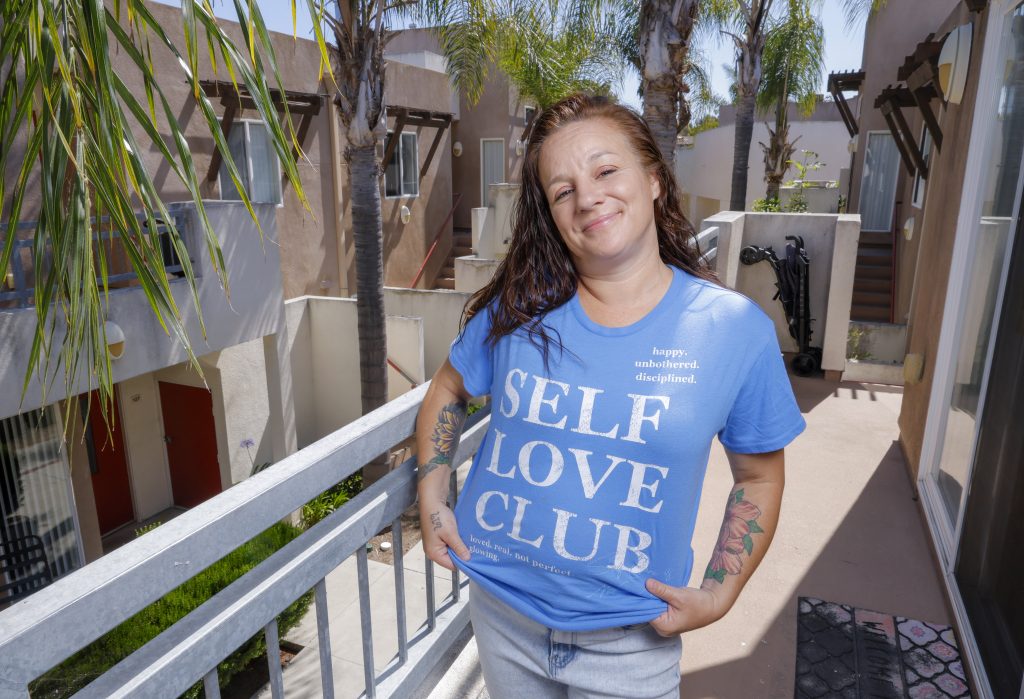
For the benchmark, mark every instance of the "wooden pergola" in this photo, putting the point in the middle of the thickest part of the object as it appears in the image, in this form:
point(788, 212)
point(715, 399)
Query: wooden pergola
point(305, 104)
point(408, 116)
point(847, 81)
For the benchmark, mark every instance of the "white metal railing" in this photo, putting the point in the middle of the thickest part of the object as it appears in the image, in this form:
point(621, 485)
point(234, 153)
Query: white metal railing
point(43, 630)
point(707, 243)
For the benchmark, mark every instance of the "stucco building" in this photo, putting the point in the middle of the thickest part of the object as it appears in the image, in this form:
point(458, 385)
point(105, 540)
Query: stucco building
point(948, 196)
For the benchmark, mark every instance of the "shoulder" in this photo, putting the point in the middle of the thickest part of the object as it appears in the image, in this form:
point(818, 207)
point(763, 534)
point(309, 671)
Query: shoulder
point(727, 308)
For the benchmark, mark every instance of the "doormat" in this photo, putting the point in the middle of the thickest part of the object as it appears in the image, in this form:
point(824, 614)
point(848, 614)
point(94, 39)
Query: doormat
point(851, 653)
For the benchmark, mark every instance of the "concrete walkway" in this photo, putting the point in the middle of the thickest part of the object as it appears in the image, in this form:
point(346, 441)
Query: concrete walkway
point(850, 532)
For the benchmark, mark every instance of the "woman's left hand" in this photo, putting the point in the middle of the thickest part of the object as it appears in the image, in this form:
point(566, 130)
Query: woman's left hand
point(689, 608)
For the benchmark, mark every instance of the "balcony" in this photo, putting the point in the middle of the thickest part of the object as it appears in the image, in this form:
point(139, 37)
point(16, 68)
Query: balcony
point(254, 309)
point(850, 532)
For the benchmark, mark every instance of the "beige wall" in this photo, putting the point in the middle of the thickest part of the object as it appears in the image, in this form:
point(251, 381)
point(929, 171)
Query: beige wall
point(893, 33)
point(144, 446)
point(936, 231)
point(705, 173)
point(406, 245)
point(500, 113)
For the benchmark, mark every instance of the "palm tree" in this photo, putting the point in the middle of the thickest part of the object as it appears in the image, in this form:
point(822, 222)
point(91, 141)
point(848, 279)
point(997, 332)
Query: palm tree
point(858, 10)
point(547, 50)
point(746, 23)
point(794, 58)
point(77, 130)
point(665, 28)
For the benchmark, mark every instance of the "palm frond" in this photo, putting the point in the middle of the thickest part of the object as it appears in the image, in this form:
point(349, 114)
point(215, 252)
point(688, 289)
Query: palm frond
point(82, 181)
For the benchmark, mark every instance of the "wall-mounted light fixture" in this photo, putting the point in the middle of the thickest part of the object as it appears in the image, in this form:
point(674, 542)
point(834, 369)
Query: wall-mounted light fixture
point(457, 149)
point(520, 146)
point(115, 339)
point(954, 62)
point(405, 214)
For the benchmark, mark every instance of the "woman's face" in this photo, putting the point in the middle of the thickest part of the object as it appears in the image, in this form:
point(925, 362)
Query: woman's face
point(600, 194)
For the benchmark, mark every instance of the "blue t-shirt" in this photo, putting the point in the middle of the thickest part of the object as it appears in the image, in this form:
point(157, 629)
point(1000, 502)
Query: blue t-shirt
point(588, 480)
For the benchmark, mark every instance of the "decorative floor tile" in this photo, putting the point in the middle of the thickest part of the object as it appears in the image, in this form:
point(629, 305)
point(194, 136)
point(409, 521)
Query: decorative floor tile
point(845, 652)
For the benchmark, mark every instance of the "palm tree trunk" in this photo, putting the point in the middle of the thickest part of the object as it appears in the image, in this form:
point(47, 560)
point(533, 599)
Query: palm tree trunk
point(741, 150)
point(661, 108)
point(366, 226)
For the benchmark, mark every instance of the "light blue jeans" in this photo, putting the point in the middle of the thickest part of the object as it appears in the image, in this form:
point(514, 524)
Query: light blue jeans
point(521, 658)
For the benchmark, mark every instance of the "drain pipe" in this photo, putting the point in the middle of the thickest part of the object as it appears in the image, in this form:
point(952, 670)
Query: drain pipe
point(344, 288)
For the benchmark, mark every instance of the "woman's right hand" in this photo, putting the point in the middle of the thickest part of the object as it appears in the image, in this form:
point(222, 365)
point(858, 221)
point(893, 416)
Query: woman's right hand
point(440, 531)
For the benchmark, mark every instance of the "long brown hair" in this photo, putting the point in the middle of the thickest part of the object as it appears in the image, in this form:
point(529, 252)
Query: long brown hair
point(538, 274)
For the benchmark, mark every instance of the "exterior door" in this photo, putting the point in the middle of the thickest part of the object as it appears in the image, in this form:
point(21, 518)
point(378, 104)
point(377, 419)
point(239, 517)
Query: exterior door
point(492, 166)
point(191, 440)
point(878, 185)
point(111, 488)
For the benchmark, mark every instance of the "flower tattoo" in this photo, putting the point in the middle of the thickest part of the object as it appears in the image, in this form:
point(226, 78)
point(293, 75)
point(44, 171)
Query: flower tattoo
point(445, 437)
point(735, 538)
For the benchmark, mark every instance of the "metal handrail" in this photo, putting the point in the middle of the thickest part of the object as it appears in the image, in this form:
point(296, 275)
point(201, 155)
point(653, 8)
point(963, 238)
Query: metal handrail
point(437, 239)
point(16, 280)
point(46, 628)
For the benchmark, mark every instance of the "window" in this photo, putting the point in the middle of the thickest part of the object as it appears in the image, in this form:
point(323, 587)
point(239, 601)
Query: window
point(402, 172)
point(919, 182)
point(257, 164)
point(528, 121)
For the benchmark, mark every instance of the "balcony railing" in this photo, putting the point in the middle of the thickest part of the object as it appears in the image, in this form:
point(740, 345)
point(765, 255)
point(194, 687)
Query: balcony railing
point(43, 630)
point(707, 243)
point(17, 287)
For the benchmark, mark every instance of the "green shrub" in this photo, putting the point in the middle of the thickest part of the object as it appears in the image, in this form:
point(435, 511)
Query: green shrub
point(767, 205)
point(330, 500)
point(797, 203)
point(101, 655)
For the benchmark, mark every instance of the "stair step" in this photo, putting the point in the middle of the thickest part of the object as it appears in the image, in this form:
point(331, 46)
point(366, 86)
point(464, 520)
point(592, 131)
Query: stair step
point(447, 271)
point(872, 271)
point(445, 283)
point(870, 313)
point(871, 285)
point(461, 250)
point(867, 298)
point(867, 238)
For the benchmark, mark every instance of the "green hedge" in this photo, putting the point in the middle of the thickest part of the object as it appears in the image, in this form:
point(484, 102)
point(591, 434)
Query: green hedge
point(92, 661)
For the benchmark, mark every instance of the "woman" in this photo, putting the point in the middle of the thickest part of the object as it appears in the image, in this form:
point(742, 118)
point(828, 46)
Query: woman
point(612, 358)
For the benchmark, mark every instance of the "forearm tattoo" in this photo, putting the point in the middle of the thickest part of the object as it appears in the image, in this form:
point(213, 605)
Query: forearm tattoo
point(445, 437)
point(735, 539)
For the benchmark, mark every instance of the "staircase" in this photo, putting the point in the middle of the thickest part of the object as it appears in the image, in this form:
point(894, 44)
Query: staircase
point(462, 244)
point(873, 280)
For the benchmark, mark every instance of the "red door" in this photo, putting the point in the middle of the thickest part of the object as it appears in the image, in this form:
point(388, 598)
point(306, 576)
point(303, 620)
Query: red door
point(191, 443)
point(110, 486)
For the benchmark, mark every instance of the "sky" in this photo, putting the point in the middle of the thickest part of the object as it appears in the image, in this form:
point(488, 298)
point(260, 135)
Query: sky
point(843, 47)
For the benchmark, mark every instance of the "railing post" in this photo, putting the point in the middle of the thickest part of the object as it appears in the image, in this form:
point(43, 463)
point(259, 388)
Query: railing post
point(323, 631)
point(398, 561)
point(364, 614)
point(274, 659)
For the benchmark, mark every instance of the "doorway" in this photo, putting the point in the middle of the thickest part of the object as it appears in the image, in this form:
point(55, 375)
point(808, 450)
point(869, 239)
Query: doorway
point(108, 463)
point(492, 166)
point(191, 440)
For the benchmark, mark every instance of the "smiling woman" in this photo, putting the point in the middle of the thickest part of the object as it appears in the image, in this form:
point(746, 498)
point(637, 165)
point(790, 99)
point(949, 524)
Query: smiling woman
point(614, 358)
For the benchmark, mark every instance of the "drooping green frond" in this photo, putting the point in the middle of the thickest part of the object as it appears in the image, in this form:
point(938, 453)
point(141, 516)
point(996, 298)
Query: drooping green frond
point(73, 137)
point(857, 11)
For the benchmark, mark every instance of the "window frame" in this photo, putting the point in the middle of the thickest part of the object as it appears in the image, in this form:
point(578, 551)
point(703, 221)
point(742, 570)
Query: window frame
point(246, 124)
point(920, 183)
point(397, 153)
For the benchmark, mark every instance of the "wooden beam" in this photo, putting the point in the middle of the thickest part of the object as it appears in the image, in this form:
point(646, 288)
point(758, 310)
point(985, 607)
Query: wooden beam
point(911, 143)
point(904, 156)
point(844, 111)
point(225, 125)
point(394, 138)
point(924, 88)
point(433, 148)
point(976, 5)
